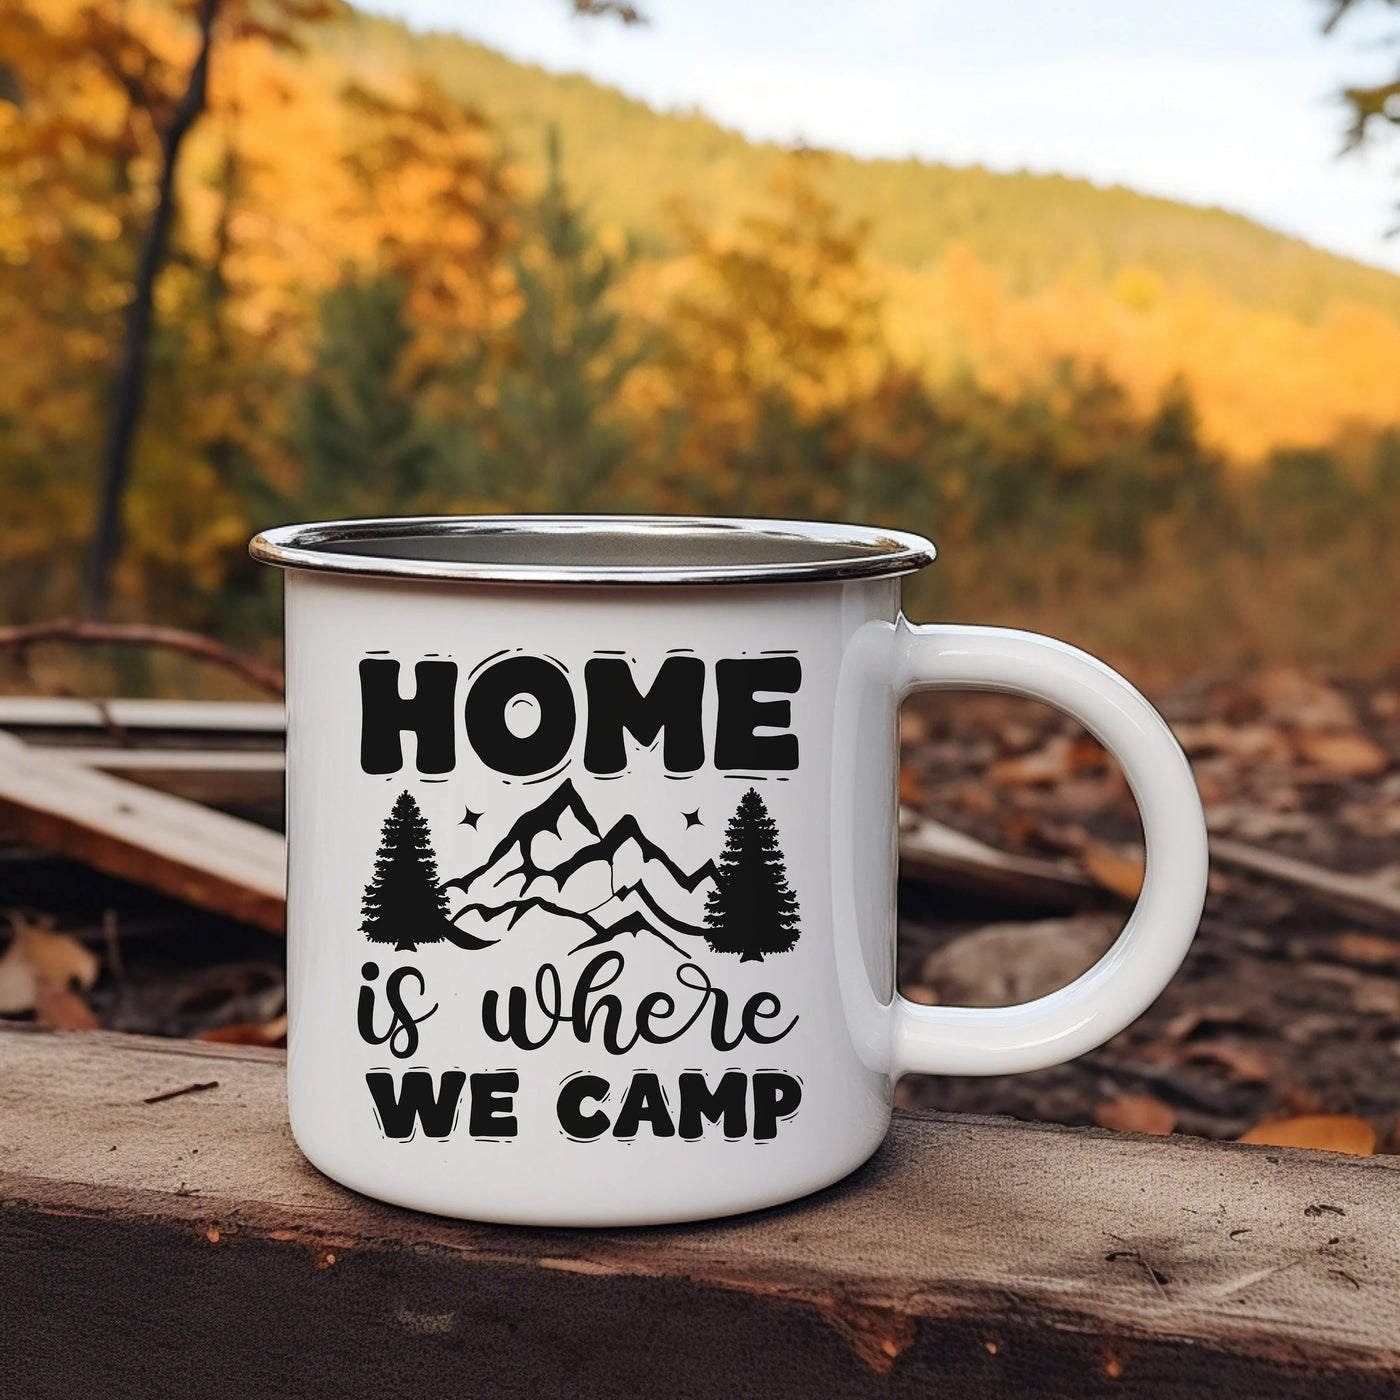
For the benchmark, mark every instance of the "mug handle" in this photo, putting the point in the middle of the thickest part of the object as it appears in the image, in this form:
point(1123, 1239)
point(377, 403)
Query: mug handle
point(1129, 977)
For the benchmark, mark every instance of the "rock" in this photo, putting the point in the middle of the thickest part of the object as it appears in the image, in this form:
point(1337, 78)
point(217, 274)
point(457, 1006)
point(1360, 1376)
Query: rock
point(1003, 964)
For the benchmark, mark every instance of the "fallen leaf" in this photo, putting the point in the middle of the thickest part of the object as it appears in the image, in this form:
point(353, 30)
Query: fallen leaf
point(60, 959)
point(1244, 743)
point(1084, 795)
point(249, 1032)
point(920, 995)
point(62, 1008)
point(1344, 752)
point(1385, 704)
point(1315, 1025)
point(1324, 1132)
point(40, 960)
point(975, 800)
point(1036, 769)
point(912, 791)
point(1019, 828)
point(1135, 1113)
point(1367, 948)
point(1086, 754)
point(1244, 1064)
point(18, 984)
point(1291, 697)
point(1378, 996)
point(1015, 736)
point(1372, 818)
point(1250, 822)
point(1302, 1102)
point(1216, 1013)
point(1113, 869)
point(913, 728)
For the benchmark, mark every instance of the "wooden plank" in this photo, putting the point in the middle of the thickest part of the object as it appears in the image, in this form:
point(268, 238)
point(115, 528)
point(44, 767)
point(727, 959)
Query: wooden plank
point(246, 783)
point(941, 855)
point(198, 716)
point(1370, 895)
point(184, 1248)
point(204, 857)
point(124, 761)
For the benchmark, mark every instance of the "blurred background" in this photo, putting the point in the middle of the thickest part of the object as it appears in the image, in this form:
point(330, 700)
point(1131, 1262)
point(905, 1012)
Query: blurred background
point(1098, 295)
point(344, 264)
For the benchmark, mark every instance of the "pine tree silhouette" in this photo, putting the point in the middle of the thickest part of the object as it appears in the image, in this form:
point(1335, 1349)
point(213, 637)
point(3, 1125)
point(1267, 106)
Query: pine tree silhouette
point(751, 910)
point(403, 903)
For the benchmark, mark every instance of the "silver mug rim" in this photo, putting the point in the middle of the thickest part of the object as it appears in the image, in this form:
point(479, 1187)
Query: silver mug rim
point(707, 549)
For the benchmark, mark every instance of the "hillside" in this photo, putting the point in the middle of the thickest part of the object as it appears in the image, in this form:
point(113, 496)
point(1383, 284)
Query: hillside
point(629, 161)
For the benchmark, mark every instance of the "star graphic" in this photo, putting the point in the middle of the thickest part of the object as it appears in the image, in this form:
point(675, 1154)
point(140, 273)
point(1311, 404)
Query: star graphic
point(470, 819)
point(692, 819)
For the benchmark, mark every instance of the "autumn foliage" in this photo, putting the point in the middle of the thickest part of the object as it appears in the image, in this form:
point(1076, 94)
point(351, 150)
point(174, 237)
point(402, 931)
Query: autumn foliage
point(383, 294)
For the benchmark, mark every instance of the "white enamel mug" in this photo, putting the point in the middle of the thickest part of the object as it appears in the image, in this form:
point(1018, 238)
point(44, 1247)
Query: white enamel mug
point(592, 843)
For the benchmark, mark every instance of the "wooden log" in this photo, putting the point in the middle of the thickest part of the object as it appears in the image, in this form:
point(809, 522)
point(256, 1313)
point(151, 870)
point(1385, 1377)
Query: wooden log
point(940, 855)
point(203, 857)
point(1368, 896)
point(245, 782)
point(182, 1247)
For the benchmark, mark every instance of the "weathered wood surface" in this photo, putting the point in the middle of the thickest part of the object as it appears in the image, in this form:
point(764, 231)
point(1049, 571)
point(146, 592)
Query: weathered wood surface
point(245, 782)
point(201, 716)
point(184, 1248)
point(111, 759)
point(183, 849)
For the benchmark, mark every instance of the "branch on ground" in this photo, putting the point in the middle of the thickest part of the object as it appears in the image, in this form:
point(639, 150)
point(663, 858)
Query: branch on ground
point(21, 638)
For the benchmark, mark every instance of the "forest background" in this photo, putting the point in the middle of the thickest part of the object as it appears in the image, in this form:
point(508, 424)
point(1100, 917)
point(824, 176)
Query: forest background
point(406, 275)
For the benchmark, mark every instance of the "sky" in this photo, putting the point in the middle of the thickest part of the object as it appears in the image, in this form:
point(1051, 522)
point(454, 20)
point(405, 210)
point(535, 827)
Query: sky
point(1216, 102)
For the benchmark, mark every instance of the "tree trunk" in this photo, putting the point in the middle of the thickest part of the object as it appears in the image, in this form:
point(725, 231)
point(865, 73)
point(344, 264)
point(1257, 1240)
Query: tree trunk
point(131, 370)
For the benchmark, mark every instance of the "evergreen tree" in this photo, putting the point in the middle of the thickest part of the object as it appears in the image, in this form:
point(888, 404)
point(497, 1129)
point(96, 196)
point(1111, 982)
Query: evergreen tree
point(751, 910)
point(557, 439)
point(356, 431)
point(403, 904)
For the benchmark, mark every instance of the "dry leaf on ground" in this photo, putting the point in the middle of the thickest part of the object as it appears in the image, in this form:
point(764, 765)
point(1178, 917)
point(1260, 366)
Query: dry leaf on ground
point(1344, 752)
point(1385, 704)
point(1325, 1132)
point(1038, 768)
point(39, 960)
point(975, 800)
point(250, 1032)
point(1114, 870)
point(1290, 697)
point(913, 728)
point(1243, 1063)
point(18, 984)
point(1135, 1113)
point(1185, 1023)
point(1367, 948)
point(1241, 743)
point(62, 1008)
point(1372, 818)
point(912, 790)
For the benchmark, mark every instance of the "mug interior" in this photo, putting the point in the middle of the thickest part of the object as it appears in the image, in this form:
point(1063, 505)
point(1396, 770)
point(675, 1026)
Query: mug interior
point(595, 549)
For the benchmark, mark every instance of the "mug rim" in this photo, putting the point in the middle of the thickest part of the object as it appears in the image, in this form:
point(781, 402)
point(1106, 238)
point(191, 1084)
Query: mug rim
point(594, 549)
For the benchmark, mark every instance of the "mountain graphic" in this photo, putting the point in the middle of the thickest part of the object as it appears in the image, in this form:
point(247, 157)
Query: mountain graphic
point(555, 862)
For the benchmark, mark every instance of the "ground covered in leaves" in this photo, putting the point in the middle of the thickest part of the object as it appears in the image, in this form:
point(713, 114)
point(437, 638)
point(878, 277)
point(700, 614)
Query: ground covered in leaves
point(1288, 1005)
